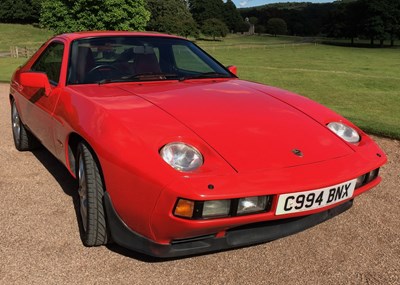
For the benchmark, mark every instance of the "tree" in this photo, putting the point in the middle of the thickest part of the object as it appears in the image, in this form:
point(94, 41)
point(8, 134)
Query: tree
point(373, 19)
point(374, 23)
point(189, 28)
point(375, 29)
point(68, 15)
point(260, 29)
point(346, 20)
point(276, 26)
point(214, 28)
point(298, 29)
point(336, 21)
point(253, 20)
point(353, 20)
point(19, 11)
point(243, 27)
point(232, 17)
point(382, 19)
point(206, 9)
point(392, 19)
point(171, 16)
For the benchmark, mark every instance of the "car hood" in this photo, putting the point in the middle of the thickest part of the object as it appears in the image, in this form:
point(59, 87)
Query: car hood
point(249, 128)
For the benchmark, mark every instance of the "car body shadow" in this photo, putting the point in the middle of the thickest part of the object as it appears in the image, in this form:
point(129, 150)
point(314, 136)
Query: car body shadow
point(69, 186)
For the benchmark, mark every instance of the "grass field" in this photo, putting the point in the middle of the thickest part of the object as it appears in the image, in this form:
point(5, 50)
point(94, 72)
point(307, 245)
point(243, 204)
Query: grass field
point(361, 84)
point(21, 36)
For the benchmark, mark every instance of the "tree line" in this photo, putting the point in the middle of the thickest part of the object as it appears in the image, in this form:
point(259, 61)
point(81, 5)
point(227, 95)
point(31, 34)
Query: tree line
point(376, 20)
point(214, 18)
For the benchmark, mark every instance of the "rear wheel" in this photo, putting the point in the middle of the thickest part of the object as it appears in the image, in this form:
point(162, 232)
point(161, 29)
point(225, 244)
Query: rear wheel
point(91, 191)
point(23, 139)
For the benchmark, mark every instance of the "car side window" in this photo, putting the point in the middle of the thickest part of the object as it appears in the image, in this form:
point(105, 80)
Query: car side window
point(49, 62)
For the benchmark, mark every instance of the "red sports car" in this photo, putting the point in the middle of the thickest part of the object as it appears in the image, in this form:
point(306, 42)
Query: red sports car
point(174, 155)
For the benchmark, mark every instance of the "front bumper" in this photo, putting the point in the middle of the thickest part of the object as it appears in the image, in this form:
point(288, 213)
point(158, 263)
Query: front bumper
point(236, 237)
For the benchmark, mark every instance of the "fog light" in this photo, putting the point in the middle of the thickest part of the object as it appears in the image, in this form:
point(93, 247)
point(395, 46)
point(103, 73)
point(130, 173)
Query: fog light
point(184, 208)
point(360, 181)
point(251, 205)
point(216, 208)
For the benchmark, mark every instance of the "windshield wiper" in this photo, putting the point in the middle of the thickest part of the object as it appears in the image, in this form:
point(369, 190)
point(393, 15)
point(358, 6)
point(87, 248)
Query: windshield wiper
point(149, 75)
point(145, 76)
point(211, 74)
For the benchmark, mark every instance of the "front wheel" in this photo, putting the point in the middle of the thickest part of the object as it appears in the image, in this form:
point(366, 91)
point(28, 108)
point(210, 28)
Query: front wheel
point(91, 191)
point(23, 139)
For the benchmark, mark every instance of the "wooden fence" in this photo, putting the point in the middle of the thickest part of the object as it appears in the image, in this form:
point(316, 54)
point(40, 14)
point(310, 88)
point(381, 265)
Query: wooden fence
point(17, 52)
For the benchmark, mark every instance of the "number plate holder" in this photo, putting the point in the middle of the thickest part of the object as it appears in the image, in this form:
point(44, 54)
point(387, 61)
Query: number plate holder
point(315, 199)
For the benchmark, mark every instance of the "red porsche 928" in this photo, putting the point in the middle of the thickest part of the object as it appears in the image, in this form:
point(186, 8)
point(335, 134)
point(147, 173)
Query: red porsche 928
point(174, 155)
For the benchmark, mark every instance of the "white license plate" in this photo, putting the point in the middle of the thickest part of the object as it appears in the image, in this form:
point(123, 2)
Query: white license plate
point(315, 199)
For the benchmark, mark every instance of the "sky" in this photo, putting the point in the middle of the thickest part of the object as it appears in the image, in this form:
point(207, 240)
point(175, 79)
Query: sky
point(251, 3)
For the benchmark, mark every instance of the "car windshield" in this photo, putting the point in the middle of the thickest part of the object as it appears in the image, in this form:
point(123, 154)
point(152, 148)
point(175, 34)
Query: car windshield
point(145, 58)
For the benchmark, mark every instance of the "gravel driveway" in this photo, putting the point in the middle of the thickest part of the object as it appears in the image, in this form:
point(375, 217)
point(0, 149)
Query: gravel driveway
point(40, 243)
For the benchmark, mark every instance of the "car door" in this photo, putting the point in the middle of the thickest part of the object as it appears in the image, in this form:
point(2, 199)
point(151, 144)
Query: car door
point(39, 107)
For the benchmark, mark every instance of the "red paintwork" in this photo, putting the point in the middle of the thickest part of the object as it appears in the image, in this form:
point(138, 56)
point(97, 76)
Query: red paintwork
point(232, 69)
point(36, 80)
point(244, 130)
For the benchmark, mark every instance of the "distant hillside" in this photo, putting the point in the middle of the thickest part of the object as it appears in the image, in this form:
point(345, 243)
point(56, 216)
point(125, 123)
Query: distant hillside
point(287, 5)
point(291, 5)
point(305, 18)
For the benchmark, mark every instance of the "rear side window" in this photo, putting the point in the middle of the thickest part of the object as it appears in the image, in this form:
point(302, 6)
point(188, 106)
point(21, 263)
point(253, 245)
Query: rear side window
point(50, 62)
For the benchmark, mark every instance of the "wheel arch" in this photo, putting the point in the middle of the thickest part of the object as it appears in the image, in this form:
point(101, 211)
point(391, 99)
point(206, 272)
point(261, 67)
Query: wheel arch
point(74, 139)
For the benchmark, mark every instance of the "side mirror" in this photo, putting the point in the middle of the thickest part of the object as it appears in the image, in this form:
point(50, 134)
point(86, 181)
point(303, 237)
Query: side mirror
point(36, 80)
point(232, 69)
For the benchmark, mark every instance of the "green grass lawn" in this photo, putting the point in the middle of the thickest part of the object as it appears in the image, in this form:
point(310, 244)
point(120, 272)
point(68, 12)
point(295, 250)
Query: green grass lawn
point(21, 36)
point(248, 40)
point(8, 66)
point(359, 83)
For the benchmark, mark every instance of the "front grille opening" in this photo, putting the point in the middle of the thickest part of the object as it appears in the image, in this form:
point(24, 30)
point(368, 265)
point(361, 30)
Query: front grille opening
point(194, 239)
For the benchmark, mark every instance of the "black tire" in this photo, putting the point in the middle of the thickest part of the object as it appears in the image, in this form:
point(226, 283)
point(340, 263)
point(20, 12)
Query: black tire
point(91, 191)
point(23, 139)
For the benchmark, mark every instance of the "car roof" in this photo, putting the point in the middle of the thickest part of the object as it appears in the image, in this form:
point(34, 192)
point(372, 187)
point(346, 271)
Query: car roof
point(88, 34)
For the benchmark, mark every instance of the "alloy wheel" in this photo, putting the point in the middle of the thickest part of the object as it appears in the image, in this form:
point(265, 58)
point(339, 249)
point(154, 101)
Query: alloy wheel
point(83, 192)
point(16, 123)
